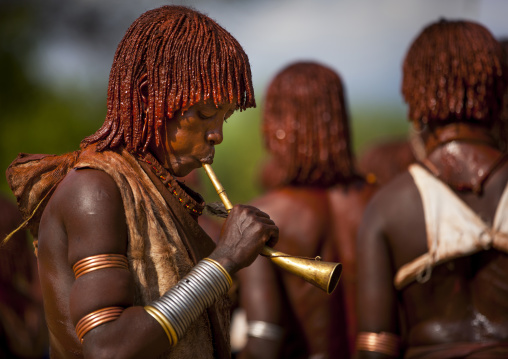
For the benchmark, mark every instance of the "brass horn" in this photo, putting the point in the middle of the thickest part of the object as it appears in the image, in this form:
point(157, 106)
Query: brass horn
point(324, 275)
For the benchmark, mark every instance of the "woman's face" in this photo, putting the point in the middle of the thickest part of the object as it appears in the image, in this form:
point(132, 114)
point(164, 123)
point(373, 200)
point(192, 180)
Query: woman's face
point(190, 137)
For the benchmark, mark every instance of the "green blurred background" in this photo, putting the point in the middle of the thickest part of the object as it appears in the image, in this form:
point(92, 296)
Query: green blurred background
point(51, 112)
point(38, 117)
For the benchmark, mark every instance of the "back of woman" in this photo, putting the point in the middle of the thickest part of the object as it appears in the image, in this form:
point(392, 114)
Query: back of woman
point(346, 205)
point(312, 321)
point(434, 241)
point(312, 197)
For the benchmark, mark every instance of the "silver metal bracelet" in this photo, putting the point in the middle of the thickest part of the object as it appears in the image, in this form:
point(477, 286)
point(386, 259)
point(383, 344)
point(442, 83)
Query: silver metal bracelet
point(181, 305)
point(264, 330)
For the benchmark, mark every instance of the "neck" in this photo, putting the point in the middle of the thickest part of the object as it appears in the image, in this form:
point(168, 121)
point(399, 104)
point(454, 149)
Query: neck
point(192, 201)
point(159, 152)
point(459, 132)
point(462, 155)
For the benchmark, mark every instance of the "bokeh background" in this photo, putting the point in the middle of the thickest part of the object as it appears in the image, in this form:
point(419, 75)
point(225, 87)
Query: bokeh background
point(55, 57)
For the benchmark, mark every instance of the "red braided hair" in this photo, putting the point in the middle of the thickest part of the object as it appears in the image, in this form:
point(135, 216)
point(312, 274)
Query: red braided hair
point(186, 57)
point(454, 71)
point(306, 127)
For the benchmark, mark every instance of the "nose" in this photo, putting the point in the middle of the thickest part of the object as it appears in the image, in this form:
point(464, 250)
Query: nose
point(215, 137)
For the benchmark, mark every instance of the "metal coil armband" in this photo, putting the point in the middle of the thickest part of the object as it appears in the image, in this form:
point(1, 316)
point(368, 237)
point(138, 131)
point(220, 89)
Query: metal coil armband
point(181, 305)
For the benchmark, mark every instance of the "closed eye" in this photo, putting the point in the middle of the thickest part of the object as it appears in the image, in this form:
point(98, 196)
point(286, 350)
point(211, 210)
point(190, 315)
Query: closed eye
point(204, 115)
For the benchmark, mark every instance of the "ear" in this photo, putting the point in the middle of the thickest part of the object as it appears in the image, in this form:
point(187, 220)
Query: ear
point(143, 88)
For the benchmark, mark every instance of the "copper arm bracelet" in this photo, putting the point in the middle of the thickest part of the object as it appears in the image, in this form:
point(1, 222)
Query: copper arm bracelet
point(384, 342)
point(100, 261)
point(96, 318)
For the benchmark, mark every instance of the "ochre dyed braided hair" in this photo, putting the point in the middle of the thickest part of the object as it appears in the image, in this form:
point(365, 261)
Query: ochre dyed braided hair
point(306, 127)
point(454, 72)
point(186, 57)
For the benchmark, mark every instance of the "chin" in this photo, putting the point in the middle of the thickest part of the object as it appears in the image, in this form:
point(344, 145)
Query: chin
point(183, 171)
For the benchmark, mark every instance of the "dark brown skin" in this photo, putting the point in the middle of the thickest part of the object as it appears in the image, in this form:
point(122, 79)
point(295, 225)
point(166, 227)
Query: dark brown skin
point(347, 204)
point(85, 217)
point(23, 331)
point(312, 221)
point(211, 225)
point(385, 160)
point(465, 298)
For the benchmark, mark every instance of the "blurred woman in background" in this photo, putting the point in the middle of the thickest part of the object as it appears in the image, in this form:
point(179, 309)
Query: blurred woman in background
point(316, 198)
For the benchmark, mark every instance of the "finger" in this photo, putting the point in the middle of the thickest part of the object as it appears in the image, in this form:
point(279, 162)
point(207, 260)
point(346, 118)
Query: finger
point(272, 236)
point(257, 211)
point(260, 213)
point(272, 241)
point(267, 221)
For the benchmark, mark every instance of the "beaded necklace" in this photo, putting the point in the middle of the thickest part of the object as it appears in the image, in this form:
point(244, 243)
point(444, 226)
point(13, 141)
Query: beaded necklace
point(177, 189)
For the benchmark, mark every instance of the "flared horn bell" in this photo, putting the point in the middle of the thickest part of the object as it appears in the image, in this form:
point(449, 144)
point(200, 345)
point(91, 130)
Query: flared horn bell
point(324, 275)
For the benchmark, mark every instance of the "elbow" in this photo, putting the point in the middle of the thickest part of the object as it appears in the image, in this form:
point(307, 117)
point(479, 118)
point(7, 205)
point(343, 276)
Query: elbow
point(120, 347)
point(107, 349)
point(97, 351)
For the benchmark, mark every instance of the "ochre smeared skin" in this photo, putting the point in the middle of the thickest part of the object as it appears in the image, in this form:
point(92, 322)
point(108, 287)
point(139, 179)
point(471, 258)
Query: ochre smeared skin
point(177, 75)
point(454, 96)
point(316, 199)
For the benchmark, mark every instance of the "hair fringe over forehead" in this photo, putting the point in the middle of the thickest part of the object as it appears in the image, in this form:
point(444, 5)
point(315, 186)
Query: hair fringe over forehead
point(185, 57)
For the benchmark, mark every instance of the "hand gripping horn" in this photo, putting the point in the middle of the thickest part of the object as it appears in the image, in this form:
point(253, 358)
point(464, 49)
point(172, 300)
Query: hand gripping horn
point(324, 275)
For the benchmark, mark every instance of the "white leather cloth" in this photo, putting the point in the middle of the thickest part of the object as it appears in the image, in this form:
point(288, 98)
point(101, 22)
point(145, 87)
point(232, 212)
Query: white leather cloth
point(453, 229)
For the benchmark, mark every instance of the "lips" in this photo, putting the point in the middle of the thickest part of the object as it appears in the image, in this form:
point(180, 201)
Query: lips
point(208, 159)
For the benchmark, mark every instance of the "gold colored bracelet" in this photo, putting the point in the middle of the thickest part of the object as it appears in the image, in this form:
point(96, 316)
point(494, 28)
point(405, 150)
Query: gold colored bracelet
point(96, 318)
point(100, 261)
point(164, 323)
point(222, 269)
point(385, 343)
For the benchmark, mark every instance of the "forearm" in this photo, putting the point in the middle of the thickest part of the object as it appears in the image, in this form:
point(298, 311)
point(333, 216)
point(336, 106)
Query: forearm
point(261, 349)
point(156, 327)
point(372, 345)
point(134, 334)
point(260, 298)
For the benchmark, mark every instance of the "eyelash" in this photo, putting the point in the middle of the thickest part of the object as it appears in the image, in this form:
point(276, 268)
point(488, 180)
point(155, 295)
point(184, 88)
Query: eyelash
point(204, 117)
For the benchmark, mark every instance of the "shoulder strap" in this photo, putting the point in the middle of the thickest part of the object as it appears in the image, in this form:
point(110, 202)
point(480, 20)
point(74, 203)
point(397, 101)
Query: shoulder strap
point(453, 229)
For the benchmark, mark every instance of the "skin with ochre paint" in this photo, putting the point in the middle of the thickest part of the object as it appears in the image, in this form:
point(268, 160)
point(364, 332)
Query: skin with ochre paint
point(85, 217)
point(454, 102)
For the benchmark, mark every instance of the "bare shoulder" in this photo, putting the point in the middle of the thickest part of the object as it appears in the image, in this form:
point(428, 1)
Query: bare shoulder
point(386, 216)
point(301, 214)
point(88, 205)
point(395, 195)
point(390, 207)
point(347, 202)
point(286, 202)
point(357, 191)
point(86, 180)
point(87, 191)
point(498, 180)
